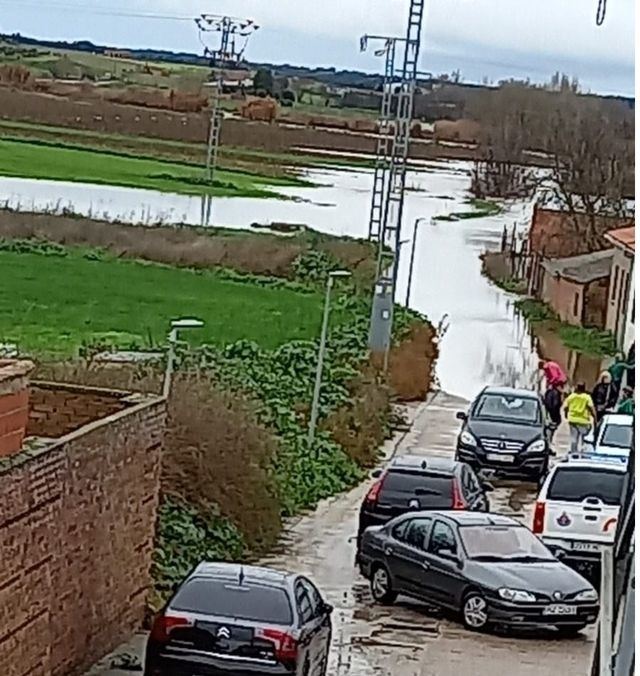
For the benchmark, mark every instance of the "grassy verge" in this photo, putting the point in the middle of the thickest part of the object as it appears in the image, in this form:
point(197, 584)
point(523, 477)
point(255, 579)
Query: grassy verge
point(48, 161)
point(55, 300)
point(252, 160)
point(589, 341)
point(480, 208)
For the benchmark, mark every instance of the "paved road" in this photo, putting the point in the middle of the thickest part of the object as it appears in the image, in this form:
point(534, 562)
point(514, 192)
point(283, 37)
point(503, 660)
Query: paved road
point(409, 639)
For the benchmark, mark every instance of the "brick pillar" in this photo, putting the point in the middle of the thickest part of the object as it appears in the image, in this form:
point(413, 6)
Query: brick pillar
point(14, 404)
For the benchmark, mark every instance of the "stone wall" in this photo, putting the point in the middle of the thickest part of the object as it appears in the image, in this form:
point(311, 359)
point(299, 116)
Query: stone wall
point(77, 519)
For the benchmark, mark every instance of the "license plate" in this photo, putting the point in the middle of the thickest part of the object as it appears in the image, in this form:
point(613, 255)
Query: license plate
point(498, 457)
point(585, 547)
point(559, 609)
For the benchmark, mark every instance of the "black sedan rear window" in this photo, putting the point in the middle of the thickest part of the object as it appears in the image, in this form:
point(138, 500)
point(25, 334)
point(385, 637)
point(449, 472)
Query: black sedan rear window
point(248, 601)
point(574, 484)
point(431, 489)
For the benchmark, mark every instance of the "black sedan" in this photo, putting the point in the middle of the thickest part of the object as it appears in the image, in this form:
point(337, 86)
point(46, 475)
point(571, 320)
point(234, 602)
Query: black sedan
point(505, 431)
point(489, 568)
point(226, 619)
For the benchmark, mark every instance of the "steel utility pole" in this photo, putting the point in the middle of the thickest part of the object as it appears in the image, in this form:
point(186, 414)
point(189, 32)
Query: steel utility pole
point(387, 200)
point(227, 54)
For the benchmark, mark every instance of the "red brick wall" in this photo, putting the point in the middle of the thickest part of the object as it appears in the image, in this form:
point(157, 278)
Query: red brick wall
point(77, 521)
point(56, 409)
point(14, 404)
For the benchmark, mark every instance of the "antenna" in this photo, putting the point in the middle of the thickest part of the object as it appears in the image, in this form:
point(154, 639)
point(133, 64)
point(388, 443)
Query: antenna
point(225, 55)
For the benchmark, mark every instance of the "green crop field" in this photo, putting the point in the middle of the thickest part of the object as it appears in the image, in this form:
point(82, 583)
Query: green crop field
point(51, 304)
point(43, 160)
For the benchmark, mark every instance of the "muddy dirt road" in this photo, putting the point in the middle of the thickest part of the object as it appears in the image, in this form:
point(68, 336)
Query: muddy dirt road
point(407, 639)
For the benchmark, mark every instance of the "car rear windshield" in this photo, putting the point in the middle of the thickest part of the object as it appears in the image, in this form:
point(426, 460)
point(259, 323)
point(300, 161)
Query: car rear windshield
point(574, 484)
point(511, 409)
point(431, 489)
point(246, 601)
point(502, 543)
point(617, 436)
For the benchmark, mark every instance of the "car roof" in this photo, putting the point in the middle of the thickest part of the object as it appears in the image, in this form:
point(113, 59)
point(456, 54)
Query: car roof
point(234, 571)
point(423, 463)
point(511, 392)
point(622, 419)
point(594, 461)
point(463, 518)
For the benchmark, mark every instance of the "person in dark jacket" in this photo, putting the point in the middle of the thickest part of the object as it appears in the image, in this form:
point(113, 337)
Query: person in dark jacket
point(604, 395)
point(553, 404)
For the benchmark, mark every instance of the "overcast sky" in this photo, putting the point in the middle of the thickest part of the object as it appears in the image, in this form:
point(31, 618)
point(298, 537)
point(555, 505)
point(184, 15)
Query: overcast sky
point(492, 38)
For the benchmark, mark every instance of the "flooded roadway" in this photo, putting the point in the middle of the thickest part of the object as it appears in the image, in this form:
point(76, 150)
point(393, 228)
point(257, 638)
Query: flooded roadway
point(408, 638)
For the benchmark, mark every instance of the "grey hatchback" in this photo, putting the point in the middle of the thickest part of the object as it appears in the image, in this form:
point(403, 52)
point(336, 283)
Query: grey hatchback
point(489, 568)
point(226, 619)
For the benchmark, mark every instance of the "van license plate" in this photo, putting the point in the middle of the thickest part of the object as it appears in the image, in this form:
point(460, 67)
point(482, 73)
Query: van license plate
point(498, 457)
point(585, 547)
point(559, 609)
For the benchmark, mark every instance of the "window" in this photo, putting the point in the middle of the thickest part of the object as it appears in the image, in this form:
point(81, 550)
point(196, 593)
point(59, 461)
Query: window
point(502, 542)
point(574, 484)
point(614, 284)
point(617, 436)
point(309, 590)
point(245, 601)
point(576, 303)
point(304, 602)
point(433, 491)
point(416, 533)
point(442, 537)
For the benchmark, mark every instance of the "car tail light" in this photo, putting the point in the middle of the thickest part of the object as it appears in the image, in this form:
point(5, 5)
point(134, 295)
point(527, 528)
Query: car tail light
point(538, 517)
point(164, 624)
point(374, 491)
point(285, 645)
point(458, 501)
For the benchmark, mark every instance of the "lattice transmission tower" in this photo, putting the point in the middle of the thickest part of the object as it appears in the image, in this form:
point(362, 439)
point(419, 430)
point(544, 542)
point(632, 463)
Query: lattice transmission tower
point(387, 200)
point(227, 54)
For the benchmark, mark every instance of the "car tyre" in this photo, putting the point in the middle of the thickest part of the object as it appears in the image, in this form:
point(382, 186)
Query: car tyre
point(381, 588)
point(475, 615)
point(570, 630)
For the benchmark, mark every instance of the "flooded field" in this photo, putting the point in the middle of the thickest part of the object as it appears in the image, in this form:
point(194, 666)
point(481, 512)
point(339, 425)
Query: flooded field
point(485, 341)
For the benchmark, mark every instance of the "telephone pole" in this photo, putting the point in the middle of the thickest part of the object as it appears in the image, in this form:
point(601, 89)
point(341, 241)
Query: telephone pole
point(387, 200)
point(227, 54)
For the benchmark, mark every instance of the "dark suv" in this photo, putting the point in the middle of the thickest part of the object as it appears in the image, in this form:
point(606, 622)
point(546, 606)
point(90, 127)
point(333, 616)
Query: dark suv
point(419, 482)
point(231, 619)
point(505, 431)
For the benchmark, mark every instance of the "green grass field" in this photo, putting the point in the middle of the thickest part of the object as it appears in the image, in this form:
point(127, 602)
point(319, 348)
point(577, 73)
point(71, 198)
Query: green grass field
point(51, 304)
point(44, 160)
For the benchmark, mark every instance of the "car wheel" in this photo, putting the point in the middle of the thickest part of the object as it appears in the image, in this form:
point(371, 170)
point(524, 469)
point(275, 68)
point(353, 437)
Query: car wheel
point(381, 588)
point(475, 615)
point(570, 630)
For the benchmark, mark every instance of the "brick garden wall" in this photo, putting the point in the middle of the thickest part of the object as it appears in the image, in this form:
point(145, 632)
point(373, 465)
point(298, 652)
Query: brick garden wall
point(77, 520)
point(56, 409)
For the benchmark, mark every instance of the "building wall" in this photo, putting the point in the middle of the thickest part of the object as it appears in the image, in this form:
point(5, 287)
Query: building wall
point(619, 286)
point(564, 297)
point(596, 294)
point(630, 318)
point(77, 519)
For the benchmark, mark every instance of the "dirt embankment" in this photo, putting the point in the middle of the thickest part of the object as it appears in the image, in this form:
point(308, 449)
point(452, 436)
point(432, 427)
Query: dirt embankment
point(106, 117)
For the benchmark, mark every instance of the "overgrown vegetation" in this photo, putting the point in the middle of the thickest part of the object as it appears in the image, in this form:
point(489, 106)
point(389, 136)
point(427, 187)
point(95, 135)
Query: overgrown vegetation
point(480, 208)
point(237, 459)
point(587, 340)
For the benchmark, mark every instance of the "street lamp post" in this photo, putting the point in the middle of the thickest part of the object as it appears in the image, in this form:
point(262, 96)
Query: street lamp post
point(413, 256)
point(315, 403)
point(176, 325)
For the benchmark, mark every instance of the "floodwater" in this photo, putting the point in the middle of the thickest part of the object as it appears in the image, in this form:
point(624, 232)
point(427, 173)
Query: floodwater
point(484, 341)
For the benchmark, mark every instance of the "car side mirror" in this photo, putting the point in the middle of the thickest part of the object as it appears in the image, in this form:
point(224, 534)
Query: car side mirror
point(328, 608)
point(376, 474)
point(487, 487)
point(461, 415)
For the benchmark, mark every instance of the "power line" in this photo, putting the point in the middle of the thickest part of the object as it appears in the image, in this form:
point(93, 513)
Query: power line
point(114, 11)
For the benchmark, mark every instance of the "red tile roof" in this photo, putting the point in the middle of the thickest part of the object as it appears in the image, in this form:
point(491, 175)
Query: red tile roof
point(623, 237)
